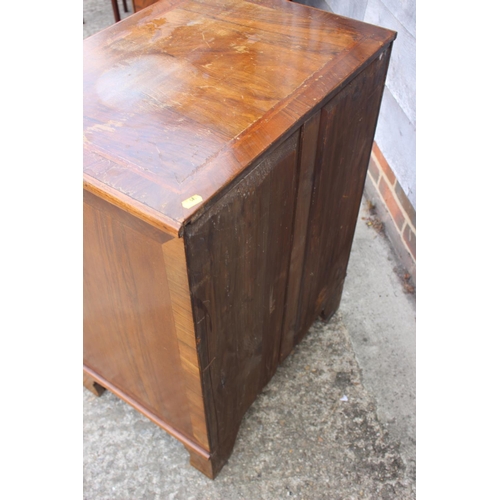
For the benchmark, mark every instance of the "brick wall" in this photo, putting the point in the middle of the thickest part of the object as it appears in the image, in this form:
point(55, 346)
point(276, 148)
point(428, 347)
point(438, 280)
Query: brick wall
point(393, 208)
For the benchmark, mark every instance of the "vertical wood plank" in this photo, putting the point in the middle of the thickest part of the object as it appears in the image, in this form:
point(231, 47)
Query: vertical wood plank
point(346, 136)
point(308, 146)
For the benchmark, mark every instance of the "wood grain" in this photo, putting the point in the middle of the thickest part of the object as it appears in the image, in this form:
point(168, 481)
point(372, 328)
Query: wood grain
point(130, 334)
point(190, 445)
point(308, 147)
point(238, 257)
point(175, 265)
point(205, 89)
point(346, 137)
point(263, 112)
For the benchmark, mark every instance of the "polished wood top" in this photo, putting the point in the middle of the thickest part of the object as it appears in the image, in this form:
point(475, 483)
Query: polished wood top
point(181, 97)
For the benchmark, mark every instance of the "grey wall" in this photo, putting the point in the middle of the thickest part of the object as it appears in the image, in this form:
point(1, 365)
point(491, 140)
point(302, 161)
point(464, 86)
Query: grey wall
point(397, 122)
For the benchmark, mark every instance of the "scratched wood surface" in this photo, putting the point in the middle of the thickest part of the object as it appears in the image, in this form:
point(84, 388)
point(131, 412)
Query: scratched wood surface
point(226, 144)
point(272, 254)
point(181, 97)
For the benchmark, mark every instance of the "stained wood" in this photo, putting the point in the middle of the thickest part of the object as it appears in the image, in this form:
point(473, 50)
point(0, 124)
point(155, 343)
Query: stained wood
point(130, 333)
point(180, 98)
point(346, 136)
point(116, 11)
point(92, 385)
point(210, 466)
point(238, 258)
point(190, 445)
point(226, 144)
point(308, 147)
point(142, 4)
point(175, 266)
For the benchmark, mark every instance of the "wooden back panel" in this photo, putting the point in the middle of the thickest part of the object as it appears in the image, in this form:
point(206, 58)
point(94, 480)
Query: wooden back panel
point(344, 144)
point(238, 256)
point(271, 255)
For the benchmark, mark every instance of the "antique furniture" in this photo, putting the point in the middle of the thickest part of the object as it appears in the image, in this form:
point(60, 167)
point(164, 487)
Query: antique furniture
point(137, 5)
point(142, 4)
point(226, 145)
point(116, 11)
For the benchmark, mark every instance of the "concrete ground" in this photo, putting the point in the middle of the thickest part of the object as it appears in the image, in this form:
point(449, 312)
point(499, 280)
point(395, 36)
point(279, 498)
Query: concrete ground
point(336, 422)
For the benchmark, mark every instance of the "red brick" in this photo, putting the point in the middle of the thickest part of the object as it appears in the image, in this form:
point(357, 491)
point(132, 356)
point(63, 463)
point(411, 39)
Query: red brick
point(391, 204)
point(410, 238)
point(389, 174)
point(406, 204)
point(374, 170)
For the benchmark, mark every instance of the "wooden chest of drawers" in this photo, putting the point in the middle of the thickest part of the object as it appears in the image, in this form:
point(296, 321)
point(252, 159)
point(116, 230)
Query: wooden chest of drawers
point(226, 144)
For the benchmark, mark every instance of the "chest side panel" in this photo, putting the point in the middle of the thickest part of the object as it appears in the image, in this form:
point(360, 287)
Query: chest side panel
point(138, 329)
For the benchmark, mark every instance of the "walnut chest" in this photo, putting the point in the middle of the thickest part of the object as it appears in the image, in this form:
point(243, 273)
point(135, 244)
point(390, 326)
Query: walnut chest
point(226, 144)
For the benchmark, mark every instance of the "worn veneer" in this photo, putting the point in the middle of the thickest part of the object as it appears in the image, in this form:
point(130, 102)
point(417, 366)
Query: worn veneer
point(226, 145)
